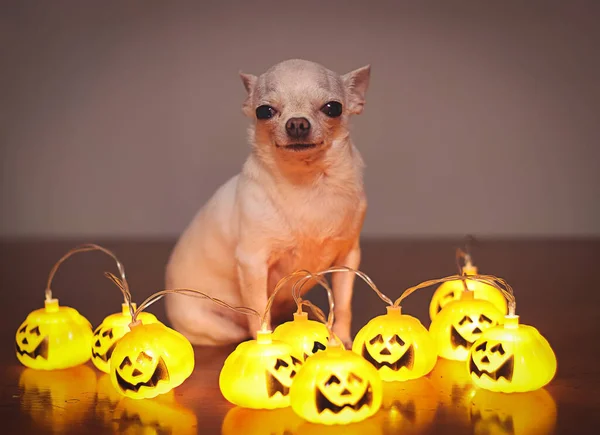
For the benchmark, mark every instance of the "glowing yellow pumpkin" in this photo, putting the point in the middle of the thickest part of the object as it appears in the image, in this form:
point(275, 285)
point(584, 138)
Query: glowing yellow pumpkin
point(451, 290)
point(460, 324)
point(150, 360)
point(397, 345)
point(110, 331)
point(54, 337)
point(60, 398)
point(306, 337)
point(513, 414)
point(336, 386)
point(258, 373)
point(260, 421)
point(511, 358)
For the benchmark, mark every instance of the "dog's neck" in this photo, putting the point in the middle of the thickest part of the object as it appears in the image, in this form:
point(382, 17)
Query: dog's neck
point(340, 161)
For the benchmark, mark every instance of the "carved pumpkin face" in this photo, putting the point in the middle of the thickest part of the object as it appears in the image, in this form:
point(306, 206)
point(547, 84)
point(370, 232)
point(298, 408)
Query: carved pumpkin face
point(60, 398)
point(281, 421)
point(258, 373)
point(513, 414)
point(110, 331)
point(53, 337)
point(306, 337)
point(451, 291)
point(408, 407)
point(511, 358)
point(460, 324)
point(397, 345)
point(336, 386)
point(150, 360)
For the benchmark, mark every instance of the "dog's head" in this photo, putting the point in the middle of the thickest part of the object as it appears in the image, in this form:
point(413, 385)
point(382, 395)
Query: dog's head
point(302, 107)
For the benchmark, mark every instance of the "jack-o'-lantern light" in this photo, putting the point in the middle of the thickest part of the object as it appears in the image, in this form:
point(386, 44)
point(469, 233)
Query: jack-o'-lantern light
point(151, 359)
point(511, 358)
point(306, 337)
point(461, 323)
point(397, 345)
point(57, 337)
point(452, 290)
point(336, 386)
point(111, 330)
point(258, 373)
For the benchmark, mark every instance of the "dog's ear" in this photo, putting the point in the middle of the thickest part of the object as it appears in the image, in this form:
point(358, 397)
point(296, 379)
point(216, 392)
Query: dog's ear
point(249, 81)
point(356, 83)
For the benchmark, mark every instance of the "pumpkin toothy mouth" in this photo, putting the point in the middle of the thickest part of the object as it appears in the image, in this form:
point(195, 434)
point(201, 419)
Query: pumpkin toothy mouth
point(324, 403)
point(504, 371)
point(40, 350)
point(274, 386)
point(457, 340)
point(407, 360)
point(160, 374)
point(106, 356)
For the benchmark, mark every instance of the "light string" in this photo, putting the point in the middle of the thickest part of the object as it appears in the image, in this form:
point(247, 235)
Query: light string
point(491, 280)
point(85, 248)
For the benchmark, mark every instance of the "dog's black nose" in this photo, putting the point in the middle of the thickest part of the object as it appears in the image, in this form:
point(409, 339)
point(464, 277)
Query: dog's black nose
point(297, 127)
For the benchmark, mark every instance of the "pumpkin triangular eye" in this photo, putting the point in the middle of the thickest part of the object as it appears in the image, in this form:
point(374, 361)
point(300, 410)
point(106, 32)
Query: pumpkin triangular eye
point(397, 339)
point(484, 319)
point(23, 329)
point(280, 363)
point(377, 339)
point(296, 361)
point(498, 348)
point(108, 333)
point(354, 378)
point(481, 346)
point(465, 319)
point(35, 331)
point(317, 347)
point(126, 362)
point(333, 379)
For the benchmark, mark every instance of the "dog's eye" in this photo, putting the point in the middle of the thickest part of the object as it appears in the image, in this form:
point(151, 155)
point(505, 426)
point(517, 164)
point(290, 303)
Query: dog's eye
point(265, 112)
point(333, 109)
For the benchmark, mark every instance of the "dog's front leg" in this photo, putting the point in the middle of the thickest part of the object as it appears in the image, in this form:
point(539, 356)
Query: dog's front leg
point(252, 274)
point(343, 283)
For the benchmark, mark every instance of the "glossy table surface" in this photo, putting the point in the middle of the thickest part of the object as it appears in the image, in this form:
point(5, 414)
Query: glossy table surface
point(555, 281)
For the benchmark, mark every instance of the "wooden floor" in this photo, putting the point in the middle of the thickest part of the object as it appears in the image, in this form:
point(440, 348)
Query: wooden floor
point(557, 289)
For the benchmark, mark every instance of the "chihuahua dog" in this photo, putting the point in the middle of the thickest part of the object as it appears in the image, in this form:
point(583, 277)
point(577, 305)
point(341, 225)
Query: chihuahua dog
point(298, 203)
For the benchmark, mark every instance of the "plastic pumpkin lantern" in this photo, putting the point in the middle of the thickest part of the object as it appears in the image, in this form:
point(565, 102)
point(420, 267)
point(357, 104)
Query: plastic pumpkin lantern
point(451, 291)
point(397, 345)
point(110, 331)
point(513, 414)
point(53, 337)
point(460, 324)
point(306, 337)
point(336, 386)
point(258, 373)
point(511, 358)
point(150, 360)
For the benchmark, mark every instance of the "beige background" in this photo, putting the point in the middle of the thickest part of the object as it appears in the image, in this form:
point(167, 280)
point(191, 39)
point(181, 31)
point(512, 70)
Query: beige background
point(123, 118)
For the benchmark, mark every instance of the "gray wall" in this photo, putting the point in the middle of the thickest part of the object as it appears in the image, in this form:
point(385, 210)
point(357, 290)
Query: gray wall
point(123, 117)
